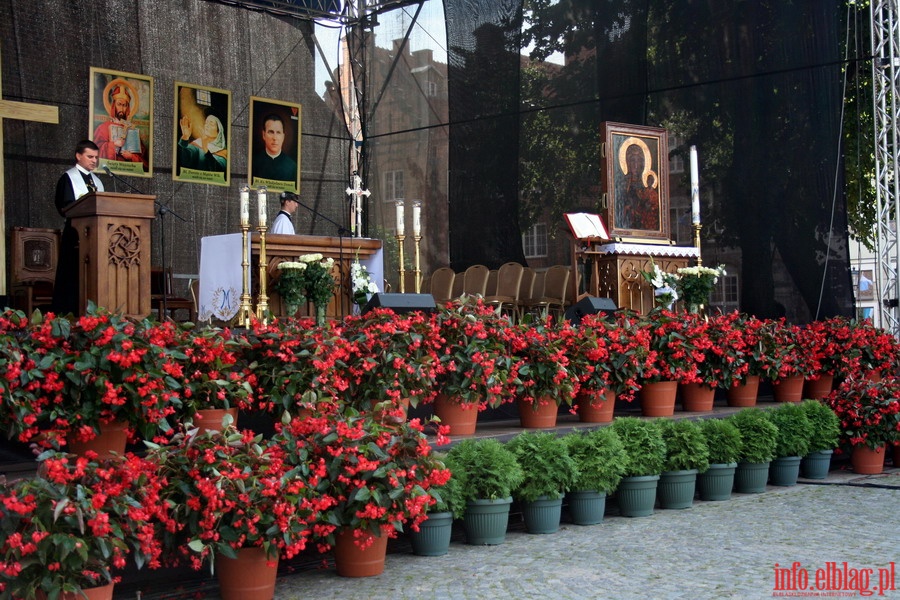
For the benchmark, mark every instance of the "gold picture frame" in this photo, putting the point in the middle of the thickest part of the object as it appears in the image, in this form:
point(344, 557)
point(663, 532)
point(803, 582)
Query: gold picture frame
point(201, 141)
point(635, 182)
point(274, 140)
point(121, 121)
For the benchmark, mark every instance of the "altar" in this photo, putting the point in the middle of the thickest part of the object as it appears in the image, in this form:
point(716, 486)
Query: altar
point(221, 270)
point(613, 270)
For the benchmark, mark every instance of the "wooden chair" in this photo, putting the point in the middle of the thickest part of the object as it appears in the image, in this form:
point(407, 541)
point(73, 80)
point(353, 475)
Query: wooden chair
point(33, 257)
point(526, 291)
point(442, 284)
point(162, 300)
point(459, 282)
point(556, 290)
point(506, 295)
point(476, 280)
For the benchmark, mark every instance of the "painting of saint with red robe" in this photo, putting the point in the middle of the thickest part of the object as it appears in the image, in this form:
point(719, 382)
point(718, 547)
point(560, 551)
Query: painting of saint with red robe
point(122, 121)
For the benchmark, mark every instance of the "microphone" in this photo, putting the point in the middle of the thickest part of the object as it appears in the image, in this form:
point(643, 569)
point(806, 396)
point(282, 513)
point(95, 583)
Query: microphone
point(107, 170)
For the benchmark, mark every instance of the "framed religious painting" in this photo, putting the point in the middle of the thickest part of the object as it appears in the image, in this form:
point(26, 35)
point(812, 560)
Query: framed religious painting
point(634, 179)
point(121, 121)
point(274, 156)
point(202, 135)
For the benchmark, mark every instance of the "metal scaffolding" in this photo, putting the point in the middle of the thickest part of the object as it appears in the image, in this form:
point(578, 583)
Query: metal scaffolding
point(885, 84)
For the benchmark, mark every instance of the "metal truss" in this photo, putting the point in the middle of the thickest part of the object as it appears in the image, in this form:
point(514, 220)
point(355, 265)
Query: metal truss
point(347, 12)
point(885, 22)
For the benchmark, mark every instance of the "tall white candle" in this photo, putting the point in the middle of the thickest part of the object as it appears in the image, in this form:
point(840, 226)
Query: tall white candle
point(401, 229)
point(245, 206)
point(695, 188)
point(261, 206)
point(417, 218)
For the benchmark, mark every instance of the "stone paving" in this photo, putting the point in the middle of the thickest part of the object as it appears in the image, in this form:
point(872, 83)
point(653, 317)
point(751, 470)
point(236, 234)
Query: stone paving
point(713, 550)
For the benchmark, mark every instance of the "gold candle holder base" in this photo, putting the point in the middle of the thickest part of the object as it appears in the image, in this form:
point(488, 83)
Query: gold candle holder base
point(242, 318)
point(418, 271)
point(697, 228)
point(400, 239)
point(262, 303)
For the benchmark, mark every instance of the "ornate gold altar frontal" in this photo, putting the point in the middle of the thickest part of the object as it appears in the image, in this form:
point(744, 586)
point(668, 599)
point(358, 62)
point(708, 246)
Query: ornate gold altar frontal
point(614, 270)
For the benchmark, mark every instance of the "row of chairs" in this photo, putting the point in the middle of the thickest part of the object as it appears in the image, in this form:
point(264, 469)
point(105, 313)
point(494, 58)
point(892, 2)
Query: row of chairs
point(516, 290)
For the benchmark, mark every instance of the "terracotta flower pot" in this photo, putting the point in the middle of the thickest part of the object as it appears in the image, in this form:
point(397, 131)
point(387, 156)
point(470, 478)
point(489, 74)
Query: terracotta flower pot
point(866, 461)
point(538, 417)
point(788, 389)
point(596, 407)
point(104, 592)
point(461, 417)
point(816, 389)
point(744, 394)
point(697, 397)
point(111, 440)
point(210, 419)
point(250, 576)
point(353, 561)
point(658, 398)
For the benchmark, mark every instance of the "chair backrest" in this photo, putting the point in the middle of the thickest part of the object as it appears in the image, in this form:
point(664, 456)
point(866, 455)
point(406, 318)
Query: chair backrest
point(476, 280)
point(491, 288)
point(526, 284)
point(537, 288)
point(160, 281)
point(459, 282)
point(556, 283)
point(442, 284)
point(34, 254)
point(509, 279)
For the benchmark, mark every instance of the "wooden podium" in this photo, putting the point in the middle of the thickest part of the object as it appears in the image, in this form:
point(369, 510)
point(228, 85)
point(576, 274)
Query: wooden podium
point(613, 270)
point(281, 248)
point(114, 247)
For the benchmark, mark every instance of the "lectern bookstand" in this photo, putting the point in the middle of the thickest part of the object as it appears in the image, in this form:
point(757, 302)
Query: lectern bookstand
point(114, 251)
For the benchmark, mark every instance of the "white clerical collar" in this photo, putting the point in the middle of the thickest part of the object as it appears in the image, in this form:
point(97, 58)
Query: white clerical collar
point(272, 156)
point(82, 170)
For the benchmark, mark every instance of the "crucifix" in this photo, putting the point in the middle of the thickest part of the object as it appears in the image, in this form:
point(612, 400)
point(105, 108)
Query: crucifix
point(356, 209)
point(26, 112)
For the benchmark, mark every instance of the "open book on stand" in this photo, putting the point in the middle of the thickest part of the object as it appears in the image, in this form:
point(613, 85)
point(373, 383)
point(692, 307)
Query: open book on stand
point(586, 226)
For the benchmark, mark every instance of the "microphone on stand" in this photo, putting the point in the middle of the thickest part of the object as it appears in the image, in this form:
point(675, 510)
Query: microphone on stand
point(107, 170)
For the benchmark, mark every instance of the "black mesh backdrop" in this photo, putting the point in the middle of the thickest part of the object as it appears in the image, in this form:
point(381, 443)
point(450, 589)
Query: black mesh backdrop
point(755, 85)
point(483, 70)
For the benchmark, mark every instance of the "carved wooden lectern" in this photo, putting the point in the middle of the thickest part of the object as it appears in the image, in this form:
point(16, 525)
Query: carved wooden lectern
point(114, 251)
point(281, 248)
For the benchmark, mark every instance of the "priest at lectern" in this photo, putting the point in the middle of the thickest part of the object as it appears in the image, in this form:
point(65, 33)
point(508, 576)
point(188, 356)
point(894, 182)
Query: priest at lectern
point(72, 185)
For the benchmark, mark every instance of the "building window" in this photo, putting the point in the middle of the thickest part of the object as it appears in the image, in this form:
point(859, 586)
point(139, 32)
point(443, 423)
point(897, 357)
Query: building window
point(680, 218)
point(534, 241)
point(726, 294)
point(676, 162)
point(430, 89)
point(393, 186)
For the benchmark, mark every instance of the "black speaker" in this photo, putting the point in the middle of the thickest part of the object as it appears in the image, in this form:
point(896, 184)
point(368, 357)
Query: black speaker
point(589, 305)
point(401, 303)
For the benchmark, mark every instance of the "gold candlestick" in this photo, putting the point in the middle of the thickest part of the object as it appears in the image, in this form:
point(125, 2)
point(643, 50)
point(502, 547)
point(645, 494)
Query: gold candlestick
point(697, 228)
point(243, 316)
point(418, 272)
point(400, 239)
point(262, 303)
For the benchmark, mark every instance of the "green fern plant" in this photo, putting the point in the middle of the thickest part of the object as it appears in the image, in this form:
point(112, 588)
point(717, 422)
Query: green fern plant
point(600, 458)
point(723, 440)
point(644, 446)
point(548, 468)
point(686, 446)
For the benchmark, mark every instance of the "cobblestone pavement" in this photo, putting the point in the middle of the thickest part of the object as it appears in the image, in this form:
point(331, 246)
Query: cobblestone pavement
point(713, 550)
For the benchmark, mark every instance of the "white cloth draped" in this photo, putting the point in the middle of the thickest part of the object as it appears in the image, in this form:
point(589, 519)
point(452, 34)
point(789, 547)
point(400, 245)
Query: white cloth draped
point(220, 276)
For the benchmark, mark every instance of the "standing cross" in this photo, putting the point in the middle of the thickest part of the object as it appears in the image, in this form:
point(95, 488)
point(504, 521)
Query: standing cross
point(25, 112)
point(356, 193)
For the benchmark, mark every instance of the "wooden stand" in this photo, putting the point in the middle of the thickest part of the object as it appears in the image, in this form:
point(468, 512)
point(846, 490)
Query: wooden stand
point(613, 270)
point(114, 251)
point(280, 248)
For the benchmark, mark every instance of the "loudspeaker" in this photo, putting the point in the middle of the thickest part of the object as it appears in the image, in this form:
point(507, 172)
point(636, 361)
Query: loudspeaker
point(589, 305)
point(401, 303)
